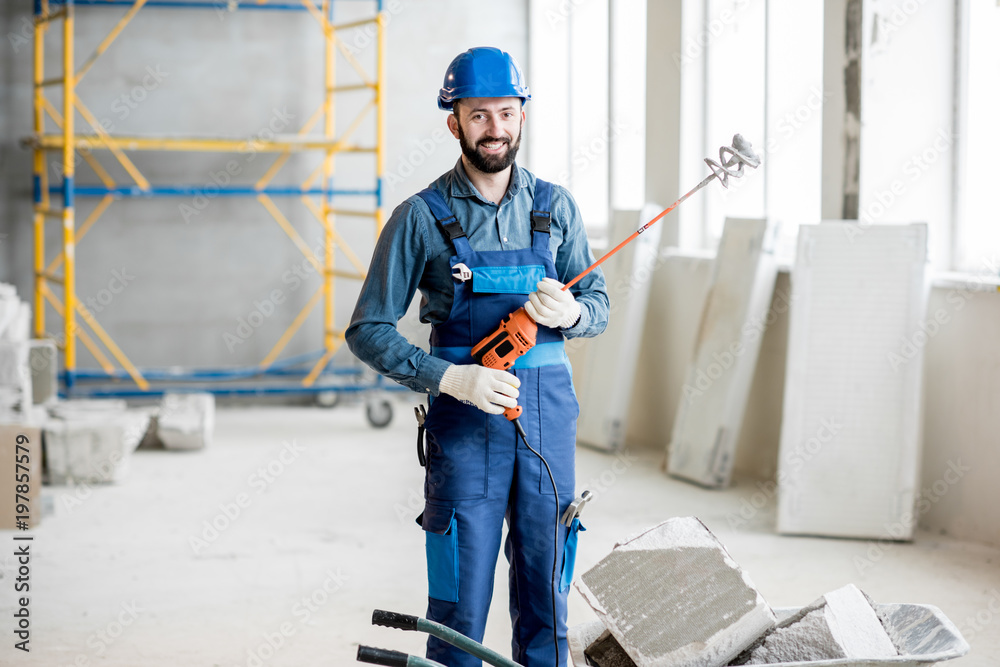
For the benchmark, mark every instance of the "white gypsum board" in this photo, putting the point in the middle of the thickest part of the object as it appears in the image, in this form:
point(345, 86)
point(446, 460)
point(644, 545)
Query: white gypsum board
point(848, 462)
point(717, 383)
point(609, 361)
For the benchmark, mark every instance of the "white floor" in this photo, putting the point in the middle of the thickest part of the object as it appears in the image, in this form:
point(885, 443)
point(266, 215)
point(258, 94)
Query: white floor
point(307, 550)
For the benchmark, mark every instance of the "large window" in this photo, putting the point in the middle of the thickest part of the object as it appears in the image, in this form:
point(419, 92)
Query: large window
point(587, 76)
point(761, 63)
point(977, 212)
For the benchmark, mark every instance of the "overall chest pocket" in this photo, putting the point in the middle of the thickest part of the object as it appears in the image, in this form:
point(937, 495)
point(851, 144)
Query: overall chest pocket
point(507, 279)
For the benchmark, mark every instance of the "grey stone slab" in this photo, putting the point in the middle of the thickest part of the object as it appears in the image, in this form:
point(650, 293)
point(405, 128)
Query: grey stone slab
point(673, 597)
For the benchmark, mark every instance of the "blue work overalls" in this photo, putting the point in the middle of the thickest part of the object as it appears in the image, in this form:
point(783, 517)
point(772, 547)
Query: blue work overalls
point(479, 473)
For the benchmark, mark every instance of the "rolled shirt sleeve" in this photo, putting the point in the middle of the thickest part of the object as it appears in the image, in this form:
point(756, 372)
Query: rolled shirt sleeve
point(393, 278)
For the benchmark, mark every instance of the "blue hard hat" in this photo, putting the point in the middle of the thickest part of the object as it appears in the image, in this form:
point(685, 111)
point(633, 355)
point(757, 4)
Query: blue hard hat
point(482, 72)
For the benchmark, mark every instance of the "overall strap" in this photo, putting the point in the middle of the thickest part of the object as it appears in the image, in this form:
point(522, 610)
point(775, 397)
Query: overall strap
point(541, 217)
point(439, 209)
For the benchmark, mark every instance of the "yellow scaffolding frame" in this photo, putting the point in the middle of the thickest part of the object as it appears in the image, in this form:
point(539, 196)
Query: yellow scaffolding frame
point(70, 144)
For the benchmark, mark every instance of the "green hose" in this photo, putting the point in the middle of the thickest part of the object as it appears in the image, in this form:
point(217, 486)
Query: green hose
point(457, 639)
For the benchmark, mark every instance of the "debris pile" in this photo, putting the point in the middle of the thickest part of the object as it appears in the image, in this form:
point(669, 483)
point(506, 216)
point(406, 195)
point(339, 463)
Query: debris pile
point(841, 624)
point(672, 596)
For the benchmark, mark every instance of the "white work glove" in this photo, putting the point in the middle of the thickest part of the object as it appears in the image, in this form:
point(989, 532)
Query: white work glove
point(552, 306)
point(488, 389)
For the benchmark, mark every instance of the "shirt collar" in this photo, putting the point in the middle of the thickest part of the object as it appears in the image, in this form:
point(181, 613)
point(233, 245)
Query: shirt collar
point(461, 186)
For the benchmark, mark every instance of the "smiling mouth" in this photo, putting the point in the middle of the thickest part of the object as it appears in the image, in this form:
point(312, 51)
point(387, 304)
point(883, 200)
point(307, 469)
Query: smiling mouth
point(493, 146)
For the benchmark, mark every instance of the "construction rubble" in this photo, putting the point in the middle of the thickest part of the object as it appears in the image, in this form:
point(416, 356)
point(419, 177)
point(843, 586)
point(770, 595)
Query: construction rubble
point(672, 596)
point(82, 441)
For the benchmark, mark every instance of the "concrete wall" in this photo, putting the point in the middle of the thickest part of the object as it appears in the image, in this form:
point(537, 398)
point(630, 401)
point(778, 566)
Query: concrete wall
point(961, 419)
point(190, 277)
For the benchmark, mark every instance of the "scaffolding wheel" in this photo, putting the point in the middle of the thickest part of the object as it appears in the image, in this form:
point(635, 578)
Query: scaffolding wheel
point(379, 412)
point(327, 399)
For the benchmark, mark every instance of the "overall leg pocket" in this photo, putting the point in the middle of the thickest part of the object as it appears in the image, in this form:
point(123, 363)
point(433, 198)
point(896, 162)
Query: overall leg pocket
point(457, 451)
point(441, 531)
point(569, 555)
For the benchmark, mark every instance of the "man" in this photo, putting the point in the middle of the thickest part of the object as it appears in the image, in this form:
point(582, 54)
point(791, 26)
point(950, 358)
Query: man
point(483, 240)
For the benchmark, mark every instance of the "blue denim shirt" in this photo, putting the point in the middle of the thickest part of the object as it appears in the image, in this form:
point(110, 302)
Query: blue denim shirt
point(413, 254)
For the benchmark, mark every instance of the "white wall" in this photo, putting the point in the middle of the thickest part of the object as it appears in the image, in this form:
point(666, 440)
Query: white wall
point(961, 393)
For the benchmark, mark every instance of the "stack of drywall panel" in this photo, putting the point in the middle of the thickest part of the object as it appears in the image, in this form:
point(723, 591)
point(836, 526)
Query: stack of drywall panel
point(717, 384)
point(607, 364)
point(850, 438)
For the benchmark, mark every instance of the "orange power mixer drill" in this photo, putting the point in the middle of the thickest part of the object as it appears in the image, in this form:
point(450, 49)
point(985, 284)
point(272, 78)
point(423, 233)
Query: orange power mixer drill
point(517, 332)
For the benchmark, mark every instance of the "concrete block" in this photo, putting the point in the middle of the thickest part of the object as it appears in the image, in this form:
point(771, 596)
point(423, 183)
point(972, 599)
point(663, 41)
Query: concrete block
point(43, 360)
point(673, 597)
point(841, 625)
point(186, 421)
point(90, 442)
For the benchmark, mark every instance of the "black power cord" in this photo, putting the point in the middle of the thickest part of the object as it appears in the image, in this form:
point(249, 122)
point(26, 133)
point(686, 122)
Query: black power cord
point(555, 544)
